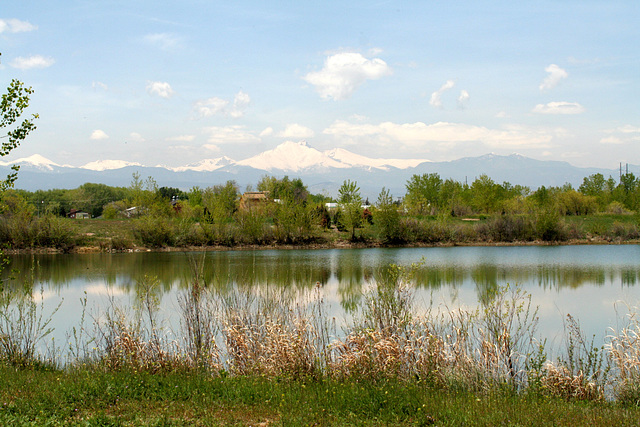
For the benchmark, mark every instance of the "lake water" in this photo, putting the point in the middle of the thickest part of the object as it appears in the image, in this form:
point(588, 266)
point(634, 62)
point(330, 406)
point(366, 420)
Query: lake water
point(594, 284)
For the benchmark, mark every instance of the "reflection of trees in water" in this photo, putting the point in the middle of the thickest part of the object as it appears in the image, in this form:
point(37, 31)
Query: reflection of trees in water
point(352, 274)
point(295, 271)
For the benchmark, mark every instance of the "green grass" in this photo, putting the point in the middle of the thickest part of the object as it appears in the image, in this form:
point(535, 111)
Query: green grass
point(90, 397)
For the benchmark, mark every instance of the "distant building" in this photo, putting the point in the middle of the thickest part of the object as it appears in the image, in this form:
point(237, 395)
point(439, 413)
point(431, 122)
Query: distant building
point(73, 213)
point(252, 199)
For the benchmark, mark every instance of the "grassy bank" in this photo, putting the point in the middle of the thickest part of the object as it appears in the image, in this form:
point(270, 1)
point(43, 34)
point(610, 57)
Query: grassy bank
point(87, 397)
point(103, 235)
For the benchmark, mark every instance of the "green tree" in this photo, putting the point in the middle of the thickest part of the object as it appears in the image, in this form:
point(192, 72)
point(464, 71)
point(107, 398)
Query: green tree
point(486, 195)
point(14, 102)
point(220, 201)
point(386, 217)
point(423, 193)
point(350, 202)
point(284, 188)
point(596, 186)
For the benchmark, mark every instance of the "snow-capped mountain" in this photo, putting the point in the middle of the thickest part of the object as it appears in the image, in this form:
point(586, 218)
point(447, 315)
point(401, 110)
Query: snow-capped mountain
point(348, 158)
point(102, 165)
point(35, 161)
point(292, 157)
point(321, 171)
point(206, 165)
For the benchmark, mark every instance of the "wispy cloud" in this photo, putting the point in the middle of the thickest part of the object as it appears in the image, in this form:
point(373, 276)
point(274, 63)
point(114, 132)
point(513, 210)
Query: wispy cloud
point(16, 26)
point(296, 131)
point(230, 135)
point(344, 72)
point(164, 41)
point(420, 135)
point(559, 108)
point(182, 138)
point(136, 137)
point(240, 103)
point(29, 62)
point(622, 134)
point(463, 98)
point(162, 89)
point(266, 132)
point(215, 106)
point(99, 85)
point(98, 135)
point(611, 140)
point(553, 78)
point(436, 97)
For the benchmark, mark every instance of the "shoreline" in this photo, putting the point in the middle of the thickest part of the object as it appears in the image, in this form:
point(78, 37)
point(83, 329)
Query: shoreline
point(339, 244)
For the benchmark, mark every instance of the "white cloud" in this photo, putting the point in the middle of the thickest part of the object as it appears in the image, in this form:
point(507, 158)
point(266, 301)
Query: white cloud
point(555, 75)
point(240, 103)
point(501, 115)
point(422, 135)
point(296, 131)
point(182, 138)
point(16, 26)
point(98, 135)
point(136, 137)
point(463, 98)
point(214, 106)
point(436, 97)
point(210, 107)
point(267, 132)
point(629, 129)
point(35, 61)
point(344, 72)
point(162, 89)
point(164, 41)
point(559, 108)
point(230, 135)
point(211, 147)
point(99, 85)
point(611, 140)
point(622, 134)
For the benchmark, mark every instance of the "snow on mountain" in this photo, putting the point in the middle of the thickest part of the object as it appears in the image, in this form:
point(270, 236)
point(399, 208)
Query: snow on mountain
point(102, 165)
point(352, 159)
point(292, 156)
point(206, 165)
point(36, 160)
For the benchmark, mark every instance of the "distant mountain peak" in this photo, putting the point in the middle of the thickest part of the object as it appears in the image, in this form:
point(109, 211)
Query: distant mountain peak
point(206, 165)
point(35, 160)
point(102, 165)
point(291, 156)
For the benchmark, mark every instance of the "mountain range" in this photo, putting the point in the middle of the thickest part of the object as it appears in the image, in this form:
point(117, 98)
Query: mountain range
point(321, 171)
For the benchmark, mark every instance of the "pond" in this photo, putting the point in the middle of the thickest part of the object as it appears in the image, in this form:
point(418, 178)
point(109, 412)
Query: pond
point(595, 284)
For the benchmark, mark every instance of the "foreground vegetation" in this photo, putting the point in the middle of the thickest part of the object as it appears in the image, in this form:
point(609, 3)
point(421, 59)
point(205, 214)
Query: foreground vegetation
point(245, 357)
point(433, 212)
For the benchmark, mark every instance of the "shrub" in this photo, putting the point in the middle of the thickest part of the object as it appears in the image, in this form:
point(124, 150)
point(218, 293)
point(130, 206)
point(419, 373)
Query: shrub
point(549, 227)
point(154, 231)
point(507, 228)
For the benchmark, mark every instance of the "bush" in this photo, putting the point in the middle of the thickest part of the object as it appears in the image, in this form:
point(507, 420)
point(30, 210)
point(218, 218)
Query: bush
point(549, 227)
point(154, 232)
point(507, 228)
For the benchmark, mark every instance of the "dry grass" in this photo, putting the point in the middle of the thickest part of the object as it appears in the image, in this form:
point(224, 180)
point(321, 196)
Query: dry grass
point(269, 334)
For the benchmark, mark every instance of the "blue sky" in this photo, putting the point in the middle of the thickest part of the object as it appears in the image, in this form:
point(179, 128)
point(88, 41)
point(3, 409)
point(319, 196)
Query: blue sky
point(172, 83)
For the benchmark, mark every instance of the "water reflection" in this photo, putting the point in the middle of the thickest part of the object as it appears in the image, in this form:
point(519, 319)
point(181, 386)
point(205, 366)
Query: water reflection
point(585, 281)
point(485, 268)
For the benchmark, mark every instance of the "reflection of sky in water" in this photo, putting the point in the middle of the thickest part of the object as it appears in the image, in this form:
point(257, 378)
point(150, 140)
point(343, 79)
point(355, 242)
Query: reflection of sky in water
point(588, 282)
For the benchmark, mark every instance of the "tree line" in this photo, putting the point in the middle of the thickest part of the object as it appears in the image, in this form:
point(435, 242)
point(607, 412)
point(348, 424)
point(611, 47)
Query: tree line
point(433, 210)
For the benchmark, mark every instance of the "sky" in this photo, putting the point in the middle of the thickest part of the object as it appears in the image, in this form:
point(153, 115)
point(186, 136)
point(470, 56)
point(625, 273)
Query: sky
point(174, 82)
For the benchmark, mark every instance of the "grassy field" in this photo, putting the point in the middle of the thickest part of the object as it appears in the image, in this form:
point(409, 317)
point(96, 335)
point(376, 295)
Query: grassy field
point(107, 235)
point(97, 398)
